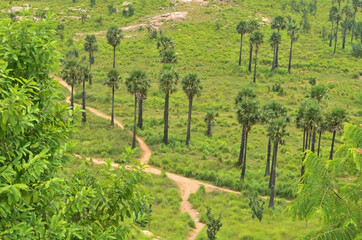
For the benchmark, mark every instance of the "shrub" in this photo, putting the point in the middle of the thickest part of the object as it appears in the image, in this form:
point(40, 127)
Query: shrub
point(357, 50)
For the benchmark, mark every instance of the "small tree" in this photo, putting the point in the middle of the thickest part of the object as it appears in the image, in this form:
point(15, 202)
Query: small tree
point(113, 81)
point(210, 120)
point(242, 29)
point(293, 32)
point(164, 43)
point(279, 23)
point(335, 120)
point(257, 208)
point(168, 84)
point(274, 40)
point(318, 92)
point(90, 46)
point(191, 85)
point(169, 56)
point(114, 36)
point(213, 224)
point(136, 82)
point(257, 39)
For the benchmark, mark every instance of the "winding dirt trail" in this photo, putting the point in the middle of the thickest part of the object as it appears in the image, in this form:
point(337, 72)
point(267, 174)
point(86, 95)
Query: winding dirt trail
point(186, 185)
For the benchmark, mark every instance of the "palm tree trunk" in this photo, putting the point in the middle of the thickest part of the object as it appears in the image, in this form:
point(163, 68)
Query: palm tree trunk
point(250, 57)
point(305, 147)
point(267, 169)
point(256, 61)
point(274, 60)
point(290, 55)
point(209, 130)
point(165, 130)
point(134, 122)
point(90, 68)
point(313, 139)
point(84, 114)
point(245, 148)
point(189, 122)
point(354, 22)
point(241, 48)
point(333, 138)
point(273, 175)
point(112, 116)
point(140, 113)
point(335, 41)
point(72, 97)
point(331, 38)
point(319, 141)
point(310, 140)
point(344, 33)
point(114, 57)
point(241, 155)
point(277, 54)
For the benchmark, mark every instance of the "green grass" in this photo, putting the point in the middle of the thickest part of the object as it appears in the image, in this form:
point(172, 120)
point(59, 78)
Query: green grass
point(238, 223)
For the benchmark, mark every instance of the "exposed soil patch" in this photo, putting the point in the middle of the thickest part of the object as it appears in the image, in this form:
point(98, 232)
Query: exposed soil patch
point(158, 21)
point(193, 1)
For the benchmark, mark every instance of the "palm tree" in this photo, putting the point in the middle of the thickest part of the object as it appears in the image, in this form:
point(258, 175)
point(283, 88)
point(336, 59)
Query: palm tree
point(277, 132)
point(113, 81)
point(257, 39)
point(253, 25)
point(301, 123)
point(332, 17)
point(318, 92)
point(270, 111)
point(90, 46)
point(338, 19)
point(275, 40)
point(191, 85)
point(114, 36)
point(348, 12)
point(279, 23)
point(210, 121)
point(136, 82)
point(143, 96)
point(164, 43)
point(242, 94)
point(85, 75)
point(242, 29)
point(70, 73)
point(335, 120)
point(248, 115)
point(322, 126)
point(168, 84)
point(355, 4)
point(293, 32)
point(169, 56)
point(312, 116)
point(339, 4)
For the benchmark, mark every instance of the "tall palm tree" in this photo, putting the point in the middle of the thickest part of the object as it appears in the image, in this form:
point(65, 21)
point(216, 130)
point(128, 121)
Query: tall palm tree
point(168, 84)
point(312, 116)
point(242, 94)
point(257, 39)
point(277, 132)
point(191, 85)
point(242, 29)
point(338, 19)
point(339, 4)
point(322, 126)
point(293, 32)
point(210, 120)
point(302, 123)
point(136, 82)
point(274, 40)
point(355, 4)
point(70, 73)
point(90, 46)
point(279, 23)
point(114, 36)
point(113, 81)
point(85, 75)
point(247, 115)
point(347, 10)
point(253, 25)
point(332, 17)
point(270, 111)
point(335, 120)
point(142, 97)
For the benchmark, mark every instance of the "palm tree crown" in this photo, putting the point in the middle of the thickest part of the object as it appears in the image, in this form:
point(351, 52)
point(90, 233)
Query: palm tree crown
point(275, 39)
point(257, 39)
point(114, 36)
point(136, 82)
point(191, 85)
point(279, 22)
point(113, 79)
point(90, 44)
point(168, 79)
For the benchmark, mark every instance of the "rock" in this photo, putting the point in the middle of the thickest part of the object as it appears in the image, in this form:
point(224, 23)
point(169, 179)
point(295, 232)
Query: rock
point(126, 3)
point(16, 9)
